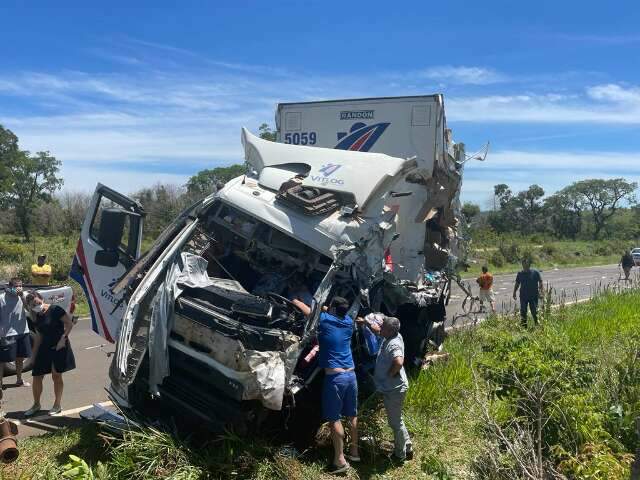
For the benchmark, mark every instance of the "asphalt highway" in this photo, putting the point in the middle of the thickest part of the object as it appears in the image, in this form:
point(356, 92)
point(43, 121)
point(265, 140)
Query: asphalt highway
point(568, 285)
point(85, 385)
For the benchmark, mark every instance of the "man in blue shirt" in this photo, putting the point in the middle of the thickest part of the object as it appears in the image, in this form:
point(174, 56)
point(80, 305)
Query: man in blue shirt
point(340, 389)
point(529, 281)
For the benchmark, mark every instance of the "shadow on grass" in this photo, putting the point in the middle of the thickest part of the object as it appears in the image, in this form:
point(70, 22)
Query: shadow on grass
point(90, 447)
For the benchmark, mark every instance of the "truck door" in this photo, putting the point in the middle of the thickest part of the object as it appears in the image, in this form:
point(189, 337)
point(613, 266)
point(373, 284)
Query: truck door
point(109, 245)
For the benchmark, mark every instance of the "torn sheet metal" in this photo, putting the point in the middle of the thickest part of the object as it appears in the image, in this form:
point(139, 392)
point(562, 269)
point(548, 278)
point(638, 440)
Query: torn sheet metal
point(262, 374)
point(338, 170)
point(189, 270)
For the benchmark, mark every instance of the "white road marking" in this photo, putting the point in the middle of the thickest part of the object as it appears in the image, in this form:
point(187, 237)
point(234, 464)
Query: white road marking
point(64, 413)
point(482, 319)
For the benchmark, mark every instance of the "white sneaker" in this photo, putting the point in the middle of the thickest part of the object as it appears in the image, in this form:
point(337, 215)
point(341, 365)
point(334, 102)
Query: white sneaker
point(55, 410)
point(33, 410)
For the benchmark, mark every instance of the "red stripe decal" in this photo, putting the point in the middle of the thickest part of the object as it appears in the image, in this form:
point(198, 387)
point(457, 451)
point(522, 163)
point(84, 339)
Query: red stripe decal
point(358, 143)
point(85, 274)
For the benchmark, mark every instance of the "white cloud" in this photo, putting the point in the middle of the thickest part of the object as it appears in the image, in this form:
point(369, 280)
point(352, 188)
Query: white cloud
point(583, 162)
point(463, 75)
point(553, 170)
point(610, 107)
point(179, 119)
point(615, 93)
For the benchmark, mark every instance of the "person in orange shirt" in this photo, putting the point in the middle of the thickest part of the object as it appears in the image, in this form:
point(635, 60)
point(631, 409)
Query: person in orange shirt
point(41, 271)
point(485, 280)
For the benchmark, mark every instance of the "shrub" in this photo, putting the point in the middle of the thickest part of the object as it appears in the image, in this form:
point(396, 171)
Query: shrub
point(11, 252)
point(497, 259)
point(549, 249)
point(596, 461)
point(510, 252)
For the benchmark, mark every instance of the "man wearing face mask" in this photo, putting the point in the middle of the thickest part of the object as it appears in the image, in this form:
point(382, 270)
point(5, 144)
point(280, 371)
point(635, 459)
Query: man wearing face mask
point(15, 344)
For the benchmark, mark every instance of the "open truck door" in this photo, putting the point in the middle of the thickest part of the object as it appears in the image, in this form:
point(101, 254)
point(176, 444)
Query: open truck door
point(109, 245)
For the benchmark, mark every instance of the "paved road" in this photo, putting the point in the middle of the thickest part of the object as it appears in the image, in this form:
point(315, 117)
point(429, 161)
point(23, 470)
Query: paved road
point(85, 385)
point(571, 284)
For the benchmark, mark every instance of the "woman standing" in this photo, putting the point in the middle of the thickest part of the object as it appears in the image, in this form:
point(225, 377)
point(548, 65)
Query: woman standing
point(54, 354)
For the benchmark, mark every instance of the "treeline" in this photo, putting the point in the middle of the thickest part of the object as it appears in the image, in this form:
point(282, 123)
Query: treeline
point(62, 213)
point(593, 209)
point(31, 200)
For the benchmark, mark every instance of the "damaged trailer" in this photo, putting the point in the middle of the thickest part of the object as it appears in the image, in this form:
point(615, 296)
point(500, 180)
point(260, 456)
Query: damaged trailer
point(203, 321)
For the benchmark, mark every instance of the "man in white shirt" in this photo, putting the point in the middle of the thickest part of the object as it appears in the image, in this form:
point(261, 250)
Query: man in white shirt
point(15, 342)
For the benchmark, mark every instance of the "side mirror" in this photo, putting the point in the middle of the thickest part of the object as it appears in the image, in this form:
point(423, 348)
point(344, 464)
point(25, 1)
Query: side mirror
point(111, 228)
point(106, 258)
point(112, 224)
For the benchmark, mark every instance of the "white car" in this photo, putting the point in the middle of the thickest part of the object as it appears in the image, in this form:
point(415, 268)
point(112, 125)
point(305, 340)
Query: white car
point(635, 253)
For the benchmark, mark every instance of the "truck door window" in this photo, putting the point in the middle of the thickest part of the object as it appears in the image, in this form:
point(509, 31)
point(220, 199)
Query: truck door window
point(129, 237)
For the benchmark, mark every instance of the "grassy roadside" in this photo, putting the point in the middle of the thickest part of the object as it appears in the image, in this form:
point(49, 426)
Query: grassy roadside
point(473, 416)
point(504, 255)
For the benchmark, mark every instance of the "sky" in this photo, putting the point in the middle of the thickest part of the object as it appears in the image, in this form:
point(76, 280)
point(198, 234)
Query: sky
point(134, 93)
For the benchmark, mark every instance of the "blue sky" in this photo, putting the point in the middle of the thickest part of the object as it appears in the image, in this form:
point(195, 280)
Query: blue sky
point(132, 95)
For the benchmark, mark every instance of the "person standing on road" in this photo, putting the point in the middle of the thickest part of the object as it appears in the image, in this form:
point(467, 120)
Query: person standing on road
point(391, 381)
point(529, 281)
point(485, 281)
point(54, 355)
point(15, 342)
point(627, 263)
point(340, 388)
point(41, 271)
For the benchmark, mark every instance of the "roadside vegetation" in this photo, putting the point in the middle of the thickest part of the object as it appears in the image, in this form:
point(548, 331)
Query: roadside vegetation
point(556, 401)
point(590, 222)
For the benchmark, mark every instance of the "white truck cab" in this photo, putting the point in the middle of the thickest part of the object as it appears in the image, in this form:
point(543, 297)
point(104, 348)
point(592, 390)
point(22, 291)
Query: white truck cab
point(204, 320)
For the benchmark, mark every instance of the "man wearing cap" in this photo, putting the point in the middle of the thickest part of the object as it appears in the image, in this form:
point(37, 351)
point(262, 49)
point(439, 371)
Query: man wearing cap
point(41, 271)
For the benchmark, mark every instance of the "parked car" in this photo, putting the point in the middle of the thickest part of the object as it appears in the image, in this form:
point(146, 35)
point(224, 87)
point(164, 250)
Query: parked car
point(635, 253)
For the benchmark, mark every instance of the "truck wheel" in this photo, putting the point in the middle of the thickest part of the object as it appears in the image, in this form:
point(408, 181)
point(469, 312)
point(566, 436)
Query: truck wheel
point(10, 367)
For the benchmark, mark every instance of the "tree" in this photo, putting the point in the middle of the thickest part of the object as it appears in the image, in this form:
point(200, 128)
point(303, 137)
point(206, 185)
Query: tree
point(206, 182)
point(33, 178)
point(470, 211)
point(162, 203)
point(529, 206)
point(602, 198)
point(564, 213)
point(503, 193)
point(266, 132)
point(518, 213)
point(8, 156)
point(74, 206)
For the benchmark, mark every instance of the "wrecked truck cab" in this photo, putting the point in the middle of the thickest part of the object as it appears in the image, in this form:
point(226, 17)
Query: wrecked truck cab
point(208, 324)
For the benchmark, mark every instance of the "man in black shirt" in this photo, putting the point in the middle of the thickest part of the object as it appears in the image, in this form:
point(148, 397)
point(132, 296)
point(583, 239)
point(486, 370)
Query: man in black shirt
point(626, 262)
point(529, 281)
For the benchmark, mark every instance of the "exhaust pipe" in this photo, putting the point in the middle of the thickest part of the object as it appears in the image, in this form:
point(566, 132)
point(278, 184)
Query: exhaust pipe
point(8, 443)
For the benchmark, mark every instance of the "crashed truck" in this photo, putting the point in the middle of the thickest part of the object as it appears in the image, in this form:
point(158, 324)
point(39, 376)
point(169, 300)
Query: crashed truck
point(202, 321)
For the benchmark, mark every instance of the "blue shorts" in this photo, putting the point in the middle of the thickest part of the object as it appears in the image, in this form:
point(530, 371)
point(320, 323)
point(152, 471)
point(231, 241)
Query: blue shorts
point(339, 396)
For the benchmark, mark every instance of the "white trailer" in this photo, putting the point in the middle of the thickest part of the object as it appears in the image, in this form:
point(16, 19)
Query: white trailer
point(403, 127)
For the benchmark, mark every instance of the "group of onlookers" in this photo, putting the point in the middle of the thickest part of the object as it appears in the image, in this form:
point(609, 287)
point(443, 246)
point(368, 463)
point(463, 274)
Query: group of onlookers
point(528, 281)
point(340, 388)
point(32, 329)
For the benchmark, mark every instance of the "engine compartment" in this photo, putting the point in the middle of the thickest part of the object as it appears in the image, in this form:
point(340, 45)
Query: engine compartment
point(255, 271)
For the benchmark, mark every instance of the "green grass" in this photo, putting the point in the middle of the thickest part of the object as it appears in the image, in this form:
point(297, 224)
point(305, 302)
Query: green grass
point(42, 457)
